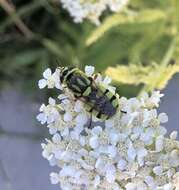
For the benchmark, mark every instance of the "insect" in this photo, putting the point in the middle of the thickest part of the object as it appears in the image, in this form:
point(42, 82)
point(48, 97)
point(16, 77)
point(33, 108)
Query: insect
point(98, 100)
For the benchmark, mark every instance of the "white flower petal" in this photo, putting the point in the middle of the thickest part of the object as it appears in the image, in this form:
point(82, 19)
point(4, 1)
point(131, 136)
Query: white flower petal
point(51, 101)
point(74, 135)
point(131, 152)
point(94, 142)
point(131, 186)
point(52, 161)
point(158, 170)
point(67, 117)
point(114, 138)
point(42, 108)
point(56, 138)
point(162, 130)
point(47, 73)
point(174, 135)
point(89, 70)
point(54, 177)
point(81, 119)
point(78, 106)
point(42, 118)
point(96, 181)
point(159, 143)
point(150, 181)
point(109, 123)
point(52, 131)
point(82, 141)
point(58, 86)
point(141, 152)
point(163, 118)
point(107, 80)
point(112, 151)
point(65, 132)
point(96, 130)
point(42, 83)
point(168, 186)
point(110, 174)
point(121, 164)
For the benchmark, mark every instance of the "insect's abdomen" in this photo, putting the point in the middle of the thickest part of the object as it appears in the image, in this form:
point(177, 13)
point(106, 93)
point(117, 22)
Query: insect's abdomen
point(101, 102)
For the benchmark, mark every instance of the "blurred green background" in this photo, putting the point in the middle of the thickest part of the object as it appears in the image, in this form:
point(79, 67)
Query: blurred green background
point(137, 47)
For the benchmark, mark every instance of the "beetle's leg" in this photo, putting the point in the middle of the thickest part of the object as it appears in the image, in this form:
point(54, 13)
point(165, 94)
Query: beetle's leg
point(66, 98)
point(62, 99)
point(77, 96)
point(90, 78)
point(90, 121)
point(96, 75)
point(122, 111)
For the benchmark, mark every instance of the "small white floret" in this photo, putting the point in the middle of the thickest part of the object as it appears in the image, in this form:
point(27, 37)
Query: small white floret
point(42, 118)
point(67, 117)
point(81, 119)
point(131, 152)
point(56, 138)
point(158, 170)
point(96, 130)
point(54, 177)
point(42, 83)
point(110, 174)
point(78, 106)
point(159, 143)
point(163, 118)
point(131, 186)
point(47, 73)
point(94, 143)
point(52, 130)
point(109, 123)
point(174, 135)
point(107, 80)
point(96, 181)
point(150, 181)
point(112, 151)
point(121, 164)
point(89, 70)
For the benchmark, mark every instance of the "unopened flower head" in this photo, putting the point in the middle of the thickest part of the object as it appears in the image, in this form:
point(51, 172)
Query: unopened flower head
point(91, 9)
point(128, 151)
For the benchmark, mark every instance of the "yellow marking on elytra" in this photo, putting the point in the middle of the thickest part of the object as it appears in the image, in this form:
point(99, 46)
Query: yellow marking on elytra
point(95, 112)
point(109, 95)
point(88, 107)
point(115, 103)
point(81, 82)
point(87, 80)
point(73, 70)
point(76, 87)
point(102, 88)
point(87, 91)
point(103, 116)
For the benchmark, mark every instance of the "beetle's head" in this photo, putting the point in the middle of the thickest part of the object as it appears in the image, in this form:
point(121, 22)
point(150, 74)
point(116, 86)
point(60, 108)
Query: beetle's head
point(64, 71)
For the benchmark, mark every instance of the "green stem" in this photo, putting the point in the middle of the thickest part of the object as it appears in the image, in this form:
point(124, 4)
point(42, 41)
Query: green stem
point(166, 59)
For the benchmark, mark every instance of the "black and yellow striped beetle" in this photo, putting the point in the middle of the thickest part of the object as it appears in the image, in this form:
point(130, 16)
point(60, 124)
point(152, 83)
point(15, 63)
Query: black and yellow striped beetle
point(98, 100)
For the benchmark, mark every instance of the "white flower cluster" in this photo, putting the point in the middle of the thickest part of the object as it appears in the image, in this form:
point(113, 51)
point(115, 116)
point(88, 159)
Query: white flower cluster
point(127, 152)
point(91, 9)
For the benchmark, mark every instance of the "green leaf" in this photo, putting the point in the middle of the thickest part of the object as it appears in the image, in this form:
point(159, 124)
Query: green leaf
point(153, 76)
point(26, 58)
point(53, 47)
point(143, 17)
